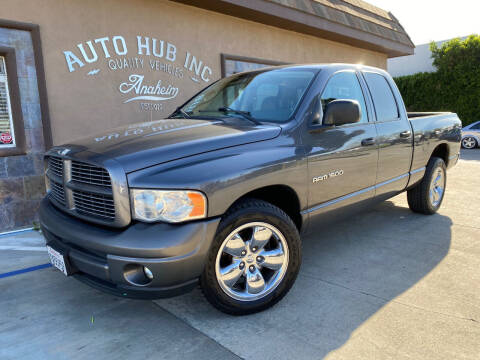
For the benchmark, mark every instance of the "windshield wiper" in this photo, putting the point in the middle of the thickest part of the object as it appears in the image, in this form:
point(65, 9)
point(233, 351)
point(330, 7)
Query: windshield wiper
point(246, 114)
point(183, 112)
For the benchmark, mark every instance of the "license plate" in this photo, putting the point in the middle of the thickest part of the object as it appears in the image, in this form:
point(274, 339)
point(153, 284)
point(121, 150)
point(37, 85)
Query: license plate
point(57, 260)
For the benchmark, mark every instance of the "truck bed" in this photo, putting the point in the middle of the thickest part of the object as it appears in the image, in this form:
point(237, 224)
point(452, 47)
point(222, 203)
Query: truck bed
point(429, 129)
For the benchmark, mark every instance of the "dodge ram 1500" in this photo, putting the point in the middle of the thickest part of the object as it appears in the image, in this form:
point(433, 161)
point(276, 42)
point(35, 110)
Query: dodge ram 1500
point(218, 193)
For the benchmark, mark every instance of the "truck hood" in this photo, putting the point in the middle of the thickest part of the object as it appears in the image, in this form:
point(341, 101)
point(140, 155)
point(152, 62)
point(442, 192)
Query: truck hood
point(138, 146)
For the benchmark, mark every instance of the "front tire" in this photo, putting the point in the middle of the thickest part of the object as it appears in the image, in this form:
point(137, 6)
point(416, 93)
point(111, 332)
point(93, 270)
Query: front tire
point(469, 142)
point(427, 196)
point(254, 258)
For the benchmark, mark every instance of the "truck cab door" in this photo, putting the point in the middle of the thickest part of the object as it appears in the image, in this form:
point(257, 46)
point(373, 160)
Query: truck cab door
point(342, 160)
point(395, 135)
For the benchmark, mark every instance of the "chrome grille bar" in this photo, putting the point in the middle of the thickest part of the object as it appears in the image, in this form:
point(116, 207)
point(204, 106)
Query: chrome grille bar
point(90, 174)
point(57, 192)
point(56, 166)
point(94, 204)
point(81, 189)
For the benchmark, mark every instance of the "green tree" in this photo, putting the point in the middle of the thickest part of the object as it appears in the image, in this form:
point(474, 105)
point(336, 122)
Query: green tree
point(457, 55)
point(455, 86)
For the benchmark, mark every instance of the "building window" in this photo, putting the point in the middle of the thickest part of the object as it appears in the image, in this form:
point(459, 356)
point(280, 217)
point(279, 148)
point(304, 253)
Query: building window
point(12, 132)
point(7, 133)
point(232, 64)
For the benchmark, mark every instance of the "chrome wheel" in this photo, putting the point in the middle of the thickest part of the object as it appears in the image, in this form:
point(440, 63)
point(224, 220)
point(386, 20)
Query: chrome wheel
point(437, 187)
point(469, 143)
point(252, 261)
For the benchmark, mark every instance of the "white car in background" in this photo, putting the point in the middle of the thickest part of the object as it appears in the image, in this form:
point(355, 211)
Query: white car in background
point(471, 135)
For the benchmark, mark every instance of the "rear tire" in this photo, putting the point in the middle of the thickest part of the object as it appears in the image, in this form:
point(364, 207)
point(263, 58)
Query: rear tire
point(427, 196)
point(254, 258)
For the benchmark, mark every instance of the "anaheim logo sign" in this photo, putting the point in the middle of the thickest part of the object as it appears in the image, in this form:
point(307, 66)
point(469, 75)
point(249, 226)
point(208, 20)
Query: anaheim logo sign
point(147, 92)
point(143, 54)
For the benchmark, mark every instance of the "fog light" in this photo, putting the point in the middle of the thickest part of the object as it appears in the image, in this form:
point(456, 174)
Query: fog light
point(137, 274)
point(148, 273)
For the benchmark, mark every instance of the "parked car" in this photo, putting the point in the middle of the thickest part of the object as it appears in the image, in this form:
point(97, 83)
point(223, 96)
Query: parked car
point(471, 135)
point(219, 193)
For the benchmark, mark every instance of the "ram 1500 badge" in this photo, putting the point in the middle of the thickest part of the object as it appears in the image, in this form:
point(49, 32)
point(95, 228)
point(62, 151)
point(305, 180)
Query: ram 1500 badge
point(327, 176)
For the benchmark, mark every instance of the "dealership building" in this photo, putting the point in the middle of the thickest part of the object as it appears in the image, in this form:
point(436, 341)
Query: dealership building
point(72, 69)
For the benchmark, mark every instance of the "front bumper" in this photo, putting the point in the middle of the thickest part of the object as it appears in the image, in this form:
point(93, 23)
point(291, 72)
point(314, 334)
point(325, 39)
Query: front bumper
point(100, 256)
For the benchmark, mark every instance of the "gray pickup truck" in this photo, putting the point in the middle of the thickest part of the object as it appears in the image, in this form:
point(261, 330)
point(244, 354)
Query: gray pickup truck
point(219, 193)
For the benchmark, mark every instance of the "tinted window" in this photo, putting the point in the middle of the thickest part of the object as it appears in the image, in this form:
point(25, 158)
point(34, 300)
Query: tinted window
point(383, 99)
point(345, 85)
point(476, 127)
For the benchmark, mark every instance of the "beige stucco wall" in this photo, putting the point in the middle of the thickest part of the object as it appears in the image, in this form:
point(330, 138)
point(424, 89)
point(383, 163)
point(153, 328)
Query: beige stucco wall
point(82, 104)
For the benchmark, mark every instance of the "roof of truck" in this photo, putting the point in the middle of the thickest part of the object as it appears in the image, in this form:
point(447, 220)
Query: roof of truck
point(330, 66)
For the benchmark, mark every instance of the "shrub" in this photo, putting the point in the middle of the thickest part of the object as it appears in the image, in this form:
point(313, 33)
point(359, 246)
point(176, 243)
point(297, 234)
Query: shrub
point(455, 86)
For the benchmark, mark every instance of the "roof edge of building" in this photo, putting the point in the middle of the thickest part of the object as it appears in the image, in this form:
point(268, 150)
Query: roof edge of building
point(295, 19)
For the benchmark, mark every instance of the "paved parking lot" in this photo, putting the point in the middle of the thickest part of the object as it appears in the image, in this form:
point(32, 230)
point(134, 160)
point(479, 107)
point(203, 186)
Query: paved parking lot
point(387, 284)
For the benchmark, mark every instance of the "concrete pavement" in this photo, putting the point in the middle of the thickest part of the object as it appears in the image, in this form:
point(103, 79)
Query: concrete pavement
point(47, 316)
point(386, 284)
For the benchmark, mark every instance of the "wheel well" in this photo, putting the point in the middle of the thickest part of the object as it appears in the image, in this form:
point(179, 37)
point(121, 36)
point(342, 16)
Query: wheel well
point(441, 151)
point(281, 196)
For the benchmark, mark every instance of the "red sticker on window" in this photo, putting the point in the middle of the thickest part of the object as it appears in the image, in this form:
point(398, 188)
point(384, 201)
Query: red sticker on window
point(6, 138)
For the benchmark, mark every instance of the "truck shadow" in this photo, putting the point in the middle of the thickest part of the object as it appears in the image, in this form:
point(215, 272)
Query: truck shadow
point(350, 270)
point(364, 263)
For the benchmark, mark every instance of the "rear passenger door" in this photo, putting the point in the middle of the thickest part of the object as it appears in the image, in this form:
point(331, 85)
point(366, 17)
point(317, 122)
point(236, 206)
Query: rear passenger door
point(394, 135)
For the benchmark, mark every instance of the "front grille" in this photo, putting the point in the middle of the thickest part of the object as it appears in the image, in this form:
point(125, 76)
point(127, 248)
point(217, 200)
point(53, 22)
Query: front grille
point(89, 174)
point(86, 190)
point(57, 192)
point(96, 205)
point(56, 166)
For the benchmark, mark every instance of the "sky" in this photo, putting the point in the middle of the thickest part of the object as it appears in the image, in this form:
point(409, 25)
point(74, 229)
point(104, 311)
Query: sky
point(427, 20)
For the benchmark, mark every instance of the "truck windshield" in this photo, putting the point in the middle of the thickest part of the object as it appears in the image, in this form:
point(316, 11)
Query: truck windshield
point(266, 95)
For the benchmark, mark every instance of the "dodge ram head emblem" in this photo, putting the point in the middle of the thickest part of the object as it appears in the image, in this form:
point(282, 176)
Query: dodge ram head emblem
point(63, 151)
point(327, 176)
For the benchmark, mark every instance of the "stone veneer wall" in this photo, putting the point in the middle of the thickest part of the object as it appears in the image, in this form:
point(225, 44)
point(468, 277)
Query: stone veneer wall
point(21, 177)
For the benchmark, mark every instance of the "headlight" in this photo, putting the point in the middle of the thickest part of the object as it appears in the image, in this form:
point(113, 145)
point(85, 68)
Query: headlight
point(170, 206)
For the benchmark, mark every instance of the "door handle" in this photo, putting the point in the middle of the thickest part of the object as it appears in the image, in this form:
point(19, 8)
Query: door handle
point(368, 141)
point(405, 134)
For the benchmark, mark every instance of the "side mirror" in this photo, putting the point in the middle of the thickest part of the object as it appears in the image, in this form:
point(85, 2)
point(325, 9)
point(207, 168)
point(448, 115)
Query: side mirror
point(340, 112)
